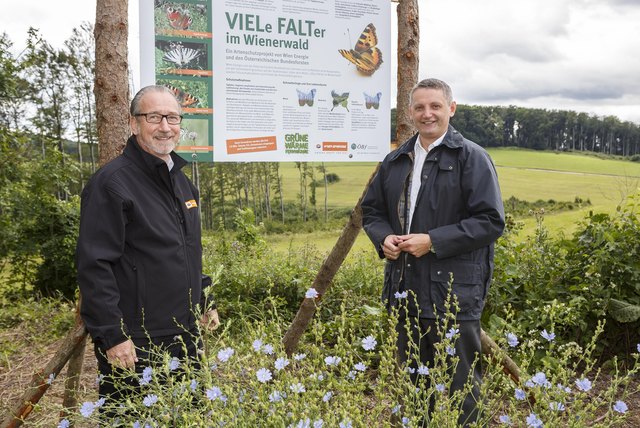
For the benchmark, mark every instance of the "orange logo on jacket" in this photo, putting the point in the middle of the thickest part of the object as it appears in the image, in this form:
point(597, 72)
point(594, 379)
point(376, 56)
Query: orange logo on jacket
point(191, 204)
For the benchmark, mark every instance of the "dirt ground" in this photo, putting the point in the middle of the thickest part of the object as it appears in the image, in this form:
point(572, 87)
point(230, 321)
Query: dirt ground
point(16, 373)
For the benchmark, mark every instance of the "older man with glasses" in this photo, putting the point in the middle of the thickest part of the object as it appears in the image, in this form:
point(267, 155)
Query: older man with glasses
point(139, 252)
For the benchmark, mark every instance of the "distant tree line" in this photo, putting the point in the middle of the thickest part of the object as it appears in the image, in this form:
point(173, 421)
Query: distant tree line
point(541, 129)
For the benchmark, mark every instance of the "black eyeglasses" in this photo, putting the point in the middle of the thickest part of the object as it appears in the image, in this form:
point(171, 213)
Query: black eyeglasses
point(172, 119)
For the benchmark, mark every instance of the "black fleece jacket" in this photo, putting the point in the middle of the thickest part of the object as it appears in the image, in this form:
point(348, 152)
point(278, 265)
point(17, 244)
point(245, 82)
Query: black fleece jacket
point(139, 252)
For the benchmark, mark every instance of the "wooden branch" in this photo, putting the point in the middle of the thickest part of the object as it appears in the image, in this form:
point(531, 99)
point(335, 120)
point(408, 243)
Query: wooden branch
point(489, 347)
point(74, 371)
point(325, 275)
point(41, 382)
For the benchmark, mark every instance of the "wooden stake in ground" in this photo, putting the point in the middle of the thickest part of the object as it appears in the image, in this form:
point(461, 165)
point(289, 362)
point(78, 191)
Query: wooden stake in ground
point(42, 379)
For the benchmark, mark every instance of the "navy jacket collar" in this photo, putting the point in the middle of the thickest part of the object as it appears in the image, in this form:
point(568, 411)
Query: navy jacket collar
point(452, 139)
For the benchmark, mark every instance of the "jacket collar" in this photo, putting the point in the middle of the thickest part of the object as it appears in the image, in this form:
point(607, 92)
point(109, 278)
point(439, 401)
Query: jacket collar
point(147, 161)
point(452, 139)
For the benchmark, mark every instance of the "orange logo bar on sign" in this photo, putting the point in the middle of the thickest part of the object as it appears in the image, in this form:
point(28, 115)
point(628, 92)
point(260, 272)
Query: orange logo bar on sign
point(194, 149)
point(334, 146)
point(251, 145)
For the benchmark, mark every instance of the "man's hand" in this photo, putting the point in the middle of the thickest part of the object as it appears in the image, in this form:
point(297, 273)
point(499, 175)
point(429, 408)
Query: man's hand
point(416, 244)
point(123, 355)
point(210, 320)
point(390, 247)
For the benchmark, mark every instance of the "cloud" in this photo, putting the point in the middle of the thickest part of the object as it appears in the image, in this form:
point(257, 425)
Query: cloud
point(578, 54)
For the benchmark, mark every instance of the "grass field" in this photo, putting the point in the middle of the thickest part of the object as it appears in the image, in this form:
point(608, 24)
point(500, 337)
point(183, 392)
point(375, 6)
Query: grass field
point(526, 174)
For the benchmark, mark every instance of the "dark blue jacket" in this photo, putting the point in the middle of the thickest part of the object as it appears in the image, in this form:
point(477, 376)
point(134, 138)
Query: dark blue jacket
point(139, 252)
point(459, 205)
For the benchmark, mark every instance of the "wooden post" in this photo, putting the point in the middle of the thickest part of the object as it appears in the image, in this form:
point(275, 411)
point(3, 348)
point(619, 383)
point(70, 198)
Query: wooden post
point(489, 347)
point(42, 379)
point(325, 275)
point(74, 371)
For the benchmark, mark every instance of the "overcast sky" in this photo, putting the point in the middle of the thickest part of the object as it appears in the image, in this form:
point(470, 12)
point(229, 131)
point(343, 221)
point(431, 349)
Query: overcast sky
point(581, 55)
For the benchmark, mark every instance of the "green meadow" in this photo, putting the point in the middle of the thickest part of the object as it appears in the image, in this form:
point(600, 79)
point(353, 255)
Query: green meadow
point(525, 174)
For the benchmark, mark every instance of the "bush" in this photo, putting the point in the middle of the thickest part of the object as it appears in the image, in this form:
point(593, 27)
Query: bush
point(572, 283)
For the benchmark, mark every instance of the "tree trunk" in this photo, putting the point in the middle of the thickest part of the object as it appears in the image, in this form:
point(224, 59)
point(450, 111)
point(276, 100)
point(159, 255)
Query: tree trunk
point(111, 85)
point(408, 62)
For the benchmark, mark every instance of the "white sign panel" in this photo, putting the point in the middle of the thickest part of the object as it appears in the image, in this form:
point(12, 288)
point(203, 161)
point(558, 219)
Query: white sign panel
point(301, 80)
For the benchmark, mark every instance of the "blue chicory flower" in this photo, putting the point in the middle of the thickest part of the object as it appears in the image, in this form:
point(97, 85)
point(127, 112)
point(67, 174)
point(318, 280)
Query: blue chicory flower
point(533, 421)
point(512, 340)
point(360, 367)
point(311, 293)
point(400, 296)
point(549, 336)
point(225, 354)
point(583, 384)
point(332, 360)
point(504, 420)
point(87, 409)
point(369, 343)
point(267, 349)
point(214, 393)
point(620, 407)
point(275, 396)
point(174, 364)
point(281, 363)
point(452, 332)
point(150, 400)
point(147, 375)
point(558, 407)
point(297, 388)
point(520, 395)
point(264, 375)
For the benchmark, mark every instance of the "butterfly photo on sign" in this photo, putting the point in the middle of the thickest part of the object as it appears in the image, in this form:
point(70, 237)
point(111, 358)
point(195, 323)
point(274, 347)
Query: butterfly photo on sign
point(340, 99)
point(372, 101)
point(365, 55)
point(171, 55)
point(306, 98)
point(184, 98)
point(179, 18)
point(190, 93)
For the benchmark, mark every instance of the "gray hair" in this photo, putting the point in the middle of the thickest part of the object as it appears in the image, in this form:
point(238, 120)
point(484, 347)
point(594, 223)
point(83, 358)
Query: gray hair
point(433, 84)
point(135, 102)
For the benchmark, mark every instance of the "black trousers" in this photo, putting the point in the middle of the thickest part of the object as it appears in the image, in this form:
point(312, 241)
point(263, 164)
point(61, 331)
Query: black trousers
point(115, 385)
point(424, 334)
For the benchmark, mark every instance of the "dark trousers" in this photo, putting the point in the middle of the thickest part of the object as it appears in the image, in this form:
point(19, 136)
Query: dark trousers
point(115, 385)
point(424, 334)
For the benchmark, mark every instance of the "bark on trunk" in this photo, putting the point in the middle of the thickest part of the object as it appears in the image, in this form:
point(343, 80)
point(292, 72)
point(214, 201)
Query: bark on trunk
point(111, 87)
point(408, 61)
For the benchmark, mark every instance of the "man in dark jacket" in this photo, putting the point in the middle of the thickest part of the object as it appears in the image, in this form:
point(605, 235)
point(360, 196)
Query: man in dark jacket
point(139, 253)
point(434, 211)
